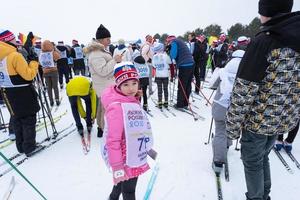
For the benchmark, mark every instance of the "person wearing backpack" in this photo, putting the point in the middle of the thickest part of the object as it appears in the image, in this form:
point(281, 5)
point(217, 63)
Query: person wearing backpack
point(265, 98)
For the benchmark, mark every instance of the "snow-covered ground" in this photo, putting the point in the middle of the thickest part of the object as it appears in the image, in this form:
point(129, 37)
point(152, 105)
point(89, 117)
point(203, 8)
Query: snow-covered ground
point(63, 172)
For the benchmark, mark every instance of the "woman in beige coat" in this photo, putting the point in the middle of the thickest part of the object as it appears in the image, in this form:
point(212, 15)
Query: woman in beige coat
point(101, 66)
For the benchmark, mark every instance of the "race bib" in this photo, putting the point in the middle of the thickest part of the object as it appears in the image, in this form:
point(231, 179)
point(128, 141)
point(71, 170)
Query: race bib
point(78, 52)
point(46, 60)
point(143, 70)
point(5, 80)
point(138, 134)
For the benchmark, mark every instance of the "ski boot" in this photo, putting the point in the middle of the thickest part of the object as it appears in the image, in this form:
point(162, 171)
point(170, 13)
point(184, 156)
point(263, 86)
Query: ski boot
point(278, 145)
point(287, 146)
point(166, 104)
point(160, 105)
point(217, 167)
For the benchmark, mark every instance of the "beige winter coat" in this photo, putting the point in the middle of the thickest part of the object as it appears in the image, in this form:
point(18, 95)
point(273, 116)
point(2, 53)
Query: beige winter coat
point(101, 65)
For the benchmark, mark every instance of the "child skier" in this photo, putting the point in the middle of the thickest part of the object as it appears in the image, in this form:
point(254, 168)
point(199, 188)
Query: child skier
point(127, 134)
point(143, 72)
point(161, 62)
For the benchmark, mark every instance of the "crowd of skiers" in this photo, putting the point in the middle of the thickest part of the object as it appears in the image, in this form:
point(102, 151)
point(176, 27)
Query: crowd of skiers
point(256, 83)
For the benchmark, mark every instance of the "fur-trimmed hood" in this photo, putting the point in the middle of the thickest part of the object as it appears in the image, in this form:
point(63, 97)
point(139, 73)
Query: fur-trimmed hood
point(93, 46)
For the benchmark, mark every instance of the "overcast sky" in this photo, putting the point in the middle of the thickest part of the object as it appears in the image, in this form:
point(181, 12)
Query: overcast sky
point(128, 19)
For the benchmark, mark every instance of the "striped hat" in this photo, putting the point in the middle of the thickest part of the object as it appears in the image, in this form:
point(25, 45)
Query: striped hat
point(6, 36)
point(124, 71)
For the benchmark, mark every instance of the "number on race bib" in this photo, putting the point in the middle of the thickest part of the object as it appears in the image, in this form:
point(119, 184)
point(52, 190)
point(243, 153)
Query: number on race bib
point(143, 140)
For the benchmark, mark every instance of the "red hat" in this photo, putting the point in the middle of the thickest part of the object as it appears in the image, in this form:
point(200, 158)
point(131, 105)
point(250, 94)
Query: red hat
point(6, 36)
point(170, 38)
point(125, 71)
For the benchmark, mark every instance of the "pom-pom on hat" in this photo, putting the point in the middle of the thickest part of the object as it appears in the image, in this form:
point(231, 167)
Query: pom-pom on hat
point(6, 35)
point(102, 32)
point(124, 71)
point(270, 8)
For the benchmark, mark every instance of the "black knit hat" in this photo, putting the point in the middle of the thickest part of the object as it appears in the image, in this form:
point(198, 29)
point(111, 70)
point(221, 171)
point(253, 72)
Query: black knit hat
point(270, 8)
point(102, 32)
point(139, 60)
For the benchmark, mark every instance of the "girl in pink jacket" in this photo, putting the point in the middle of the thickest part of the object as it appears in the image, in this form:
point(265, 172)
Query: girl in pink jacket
point(127, 133)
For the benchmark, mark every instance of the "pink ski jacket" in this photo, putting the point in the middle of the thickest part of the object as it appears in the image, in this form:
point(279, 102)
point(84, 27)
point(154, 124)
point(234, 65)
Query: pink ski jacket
point(115, 140)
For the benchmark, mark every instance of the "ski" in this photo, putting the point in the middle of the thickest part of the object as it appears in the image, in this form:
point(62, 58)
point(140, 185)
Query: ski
point(172, 113)
point(10, 189)
point(151, 182)
point(288, 168)
point(148, 113)
point(40, 126)
point(226, 171)
point(38, 151)
point(219, 186)
point(41, 142)
point(194, 114)
point(162, 112)
point(292, 157)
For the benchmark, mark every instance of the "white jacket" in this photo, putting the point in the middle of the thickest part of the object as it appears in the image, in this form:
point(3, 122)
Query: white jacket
point(227, 77)
point(101, 65)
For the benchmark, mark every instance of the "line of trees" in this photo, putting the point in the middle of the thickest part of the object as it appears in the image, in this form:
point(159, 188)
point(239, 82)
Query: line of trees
point(233, 32)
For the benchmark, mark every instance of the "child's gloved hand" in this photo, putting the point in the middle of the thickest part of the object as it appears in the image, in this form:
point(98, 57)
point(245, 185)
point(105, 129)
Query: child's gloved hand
point(119, 176)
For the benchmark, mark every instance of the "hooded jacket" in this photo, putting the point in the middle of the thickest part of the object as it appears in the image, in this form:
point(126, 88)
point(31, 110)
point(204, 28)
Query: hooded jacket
point(115, 138)
point(101, 65)
point(21, 101)
point(47, 46)
point(265, 99)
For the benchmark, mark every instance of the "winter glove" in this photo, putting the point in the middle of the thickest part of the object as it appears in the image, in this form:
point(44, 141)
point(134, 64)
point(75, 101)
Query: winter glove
point(32, 56)
point(119, 176)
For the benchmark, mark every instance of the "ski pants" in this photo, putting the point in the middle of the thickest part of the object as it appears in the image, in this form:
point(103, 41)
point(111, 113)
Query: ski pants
point(63, 70)
point(75, 112)
point(185, 76)
point(52, 84)
point(162, 86)
point(100, 114)
point(220, 143)
point(127, 188)
point(24, 128)
point(144, 82)
point(202, 65)
point(291, 135)
point(255, 149)
point(150, 78)
point(197, 76)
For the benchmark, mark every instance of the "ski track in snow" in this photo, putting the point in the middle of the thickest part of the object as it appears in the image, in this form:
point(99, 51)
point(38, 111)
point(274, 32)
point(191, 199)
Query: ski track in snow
point(64, 172)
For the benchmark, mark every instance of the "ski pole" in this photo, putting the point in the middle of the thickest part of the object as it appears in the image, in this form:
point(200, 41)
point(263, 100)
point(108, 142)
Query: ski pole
point(210, 131)
point(207, 100)
point(186, 98)
point(210, 97)
point(22, 175)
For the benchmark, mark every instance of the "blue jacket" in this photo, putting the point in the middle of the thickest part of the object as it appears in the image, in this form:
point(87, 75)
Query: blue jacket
point(181, 53)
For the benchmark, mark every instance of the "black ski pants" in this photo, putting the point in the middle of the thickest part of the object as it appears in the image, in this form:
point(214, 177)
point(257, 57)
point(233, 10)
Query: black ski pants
point(162, 86)
point(75, 112)
point(185, 77)
point(24, 128)
point(291, 135)
point(127, 188)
